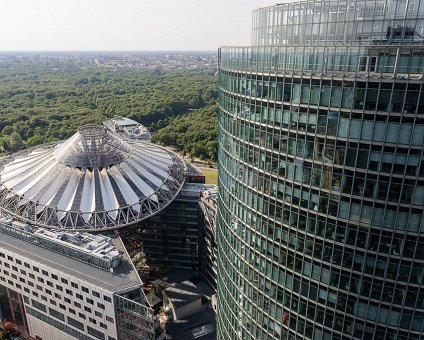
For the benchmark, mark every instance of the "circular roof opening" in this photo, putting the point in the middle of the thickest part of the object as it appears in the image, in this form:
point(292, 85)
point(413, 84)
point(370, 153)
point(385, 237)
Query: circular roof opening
point(92, 146)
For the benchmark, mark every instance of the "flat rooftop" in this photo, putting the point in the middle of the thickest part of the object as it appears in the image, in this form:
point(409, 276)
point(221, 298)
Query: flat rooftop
point(183, 294)
point(123, 277)
point(201, 326)
point(127, 128)
point(153, 300)
point(123, 121)
point(194, 170)
point(89, 243)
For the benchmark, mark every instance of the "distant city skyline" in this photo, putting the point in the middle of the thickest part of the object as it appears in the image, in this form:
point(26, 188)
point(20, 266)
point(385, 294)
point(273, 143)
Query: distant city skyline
point(107, 25)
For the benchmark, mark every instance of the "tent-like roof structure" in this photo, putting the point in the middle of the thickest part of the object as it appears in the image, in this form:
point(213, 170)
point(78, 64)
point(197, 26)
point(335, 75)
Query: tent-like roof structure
point(92, 181)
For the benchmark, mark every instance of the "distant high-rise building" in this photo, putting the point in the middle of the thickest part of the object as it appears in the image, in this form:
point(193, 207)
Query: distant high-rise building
point(321, 174)
point(171, 238)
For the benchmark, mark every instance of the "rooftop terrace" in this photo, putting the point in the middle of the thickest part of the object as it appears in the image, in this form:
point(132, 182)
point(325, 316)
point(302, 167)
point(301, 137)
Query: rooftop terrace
point(123, 277)
point(127, 128)
point(94, 249)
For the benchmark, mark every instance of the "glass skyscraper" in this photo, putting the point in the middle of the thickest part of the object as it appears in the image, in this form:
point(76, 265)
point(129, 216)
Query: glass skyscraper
point(320, 219)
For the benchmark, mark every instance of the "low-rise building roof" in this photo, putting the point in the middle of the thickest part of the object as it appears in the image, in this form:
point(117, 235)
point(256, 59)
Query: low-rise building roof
point(182, 294)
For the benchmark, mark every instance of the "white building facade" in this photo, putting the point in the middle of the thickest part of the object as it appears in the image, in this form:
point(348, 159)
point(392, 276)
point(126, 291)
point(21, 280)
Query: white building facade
point(64, 298)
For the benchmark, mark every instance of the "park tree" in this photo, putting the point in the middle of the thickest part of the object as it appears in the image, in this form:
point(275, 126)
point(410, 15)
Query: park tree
point(16, 142)
point(7, 130)
point(178, 106)
point(35, 140)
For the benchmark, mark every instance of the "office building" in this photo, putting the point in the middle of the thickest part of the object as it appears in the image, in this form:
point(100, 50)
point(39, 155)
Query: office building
point(171, 238)
point(66, 288)
point(320, 226)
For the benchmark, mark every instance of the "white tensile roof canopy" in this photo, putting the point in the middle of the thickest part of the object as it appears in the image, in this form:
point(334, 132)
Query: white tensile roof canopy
point(93, 180)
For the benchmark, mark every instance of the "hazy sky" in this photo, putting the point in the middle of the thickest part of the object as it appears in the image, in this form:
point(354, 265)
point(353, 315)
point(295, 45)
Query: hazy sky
point(125, 24)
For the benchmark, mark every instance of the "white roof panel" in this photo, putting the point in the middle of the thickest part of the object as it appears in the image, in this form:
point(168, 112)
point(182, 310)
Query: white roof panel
point(126, 190)
point(110, 202)
point(88, 203)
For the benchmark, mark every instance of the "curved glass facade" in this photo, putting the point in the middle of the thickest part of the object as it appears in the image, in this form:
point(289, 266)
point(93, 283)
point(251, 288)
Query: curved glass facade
point(321, 181)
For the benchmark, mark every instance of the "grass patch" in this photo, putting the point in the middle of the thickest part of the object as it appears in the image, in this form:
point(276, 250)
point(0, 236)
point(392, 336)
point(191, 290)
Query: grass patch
point(211, 175)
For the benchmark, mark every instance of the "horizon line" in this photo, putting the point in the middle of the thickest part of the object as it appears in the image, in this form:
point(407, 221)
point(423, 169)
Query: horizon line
point(39, 51)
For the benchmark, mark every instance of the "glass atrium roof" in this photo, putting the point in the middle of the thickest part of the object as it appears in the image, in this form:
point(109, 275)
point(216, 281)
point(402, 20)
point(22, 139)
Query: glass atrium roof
point(93, 180)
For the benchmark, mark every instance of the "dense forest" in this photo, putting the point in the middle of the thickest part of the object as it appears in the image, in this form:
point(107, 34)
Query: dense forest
point(41, 103)
point(194, 134)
